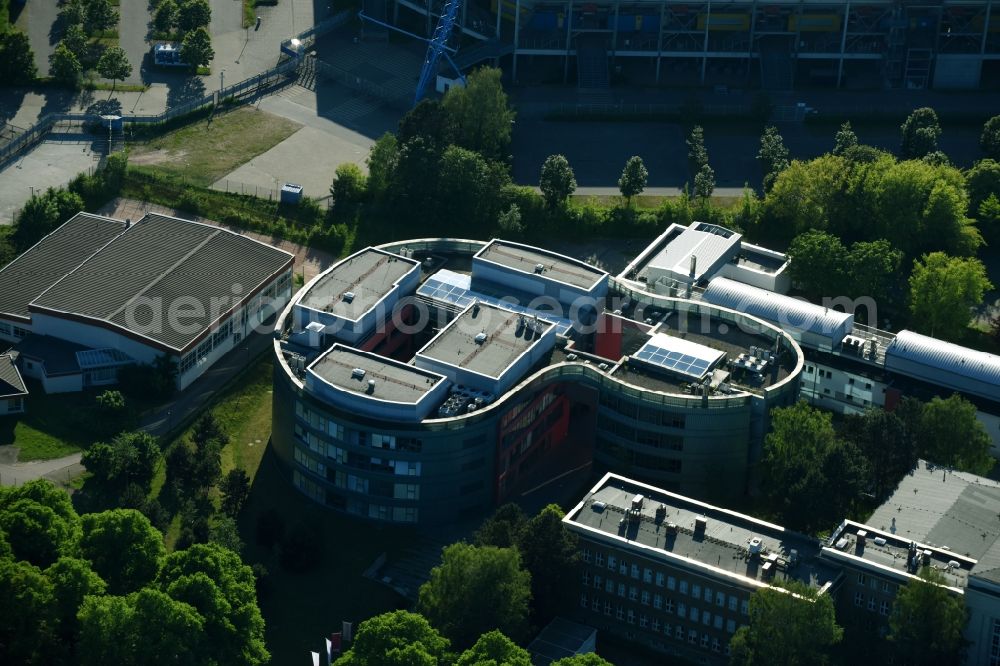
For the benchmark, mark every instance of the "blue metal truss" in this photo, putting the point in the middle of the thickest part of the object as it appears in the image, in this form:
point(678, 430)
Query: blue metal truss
point(437, 46)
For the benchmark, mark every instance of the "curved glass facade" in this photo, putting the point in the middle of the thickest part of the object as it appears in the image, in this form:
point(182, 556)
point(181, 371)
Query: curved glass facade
point(444, 469)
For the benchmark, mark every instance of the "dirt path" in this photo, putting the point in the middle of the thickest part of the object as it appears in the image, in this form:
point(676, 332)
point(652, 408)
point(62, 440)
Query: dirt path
point(14, 473)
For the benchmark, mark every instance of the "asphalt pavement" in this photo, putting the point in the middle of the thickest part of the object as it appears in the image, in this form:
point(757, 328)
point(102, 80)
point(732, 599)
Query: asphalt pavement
point(133, 26)
point(42, 17)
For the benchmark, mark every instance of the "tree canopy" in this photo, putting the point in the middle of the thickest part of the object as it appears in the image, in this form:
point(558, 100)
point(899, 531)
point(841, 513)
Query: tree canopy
point(943, 292)
point(920, 133)
point(989, 140)
point(475, 590)
point(927, 622)
point(789, 626)
point(845, 139)
point(810, 476)
point(130, 458)
point(557, 181)
point(633, 179)
point(481, 115)
point(697, 153)
point(114, 64)
point(950, 434)
point(550, 554)
point(399, 638)
point(494, 649)
point(887, 443)
point(123, 547)
point(773, 155)
point(196, 48)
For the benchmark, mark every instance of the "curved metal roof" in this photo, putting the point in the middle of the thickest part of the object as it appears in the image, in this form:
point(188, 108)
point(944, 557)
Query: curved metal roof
point(938, 357)
point(792, 314)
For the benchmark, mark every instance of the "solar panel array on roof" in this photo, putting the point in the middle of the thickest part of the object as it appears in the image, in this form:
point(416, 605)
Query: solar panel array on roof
point(678, 355)
point(456, 288)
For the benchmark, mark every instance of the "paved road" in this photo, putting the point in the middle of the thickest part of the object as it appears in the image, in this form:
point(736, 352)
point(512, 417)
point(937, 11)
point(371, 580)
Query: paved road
point(41, 22)
point(133, 25)
point(16, 473)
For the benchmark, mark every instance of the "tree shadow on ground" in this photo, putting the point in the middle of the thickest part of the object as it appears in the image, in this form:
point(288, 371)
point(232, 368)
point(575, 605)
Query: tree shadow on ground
point(10, 103)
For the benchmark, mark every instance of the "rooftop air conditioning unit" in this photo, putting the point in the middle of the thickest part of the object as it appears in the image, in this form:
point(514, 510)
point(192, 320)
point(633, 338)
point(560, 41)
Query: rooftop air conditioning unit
point(599, 506)
point(358, 373)
point(348, 296)
point(480, 338)
point(637, 502)
point(879, 541)
point(539, 268)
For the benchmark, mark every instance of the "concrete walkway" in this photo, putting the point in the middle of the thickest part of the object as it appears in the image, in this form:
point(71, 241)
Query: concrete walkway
point(13, 473)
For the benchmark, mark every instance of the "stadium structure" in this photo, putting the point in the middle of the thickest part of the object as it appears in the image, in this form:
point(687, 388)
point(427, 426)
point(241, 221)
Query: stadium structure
point(427, 381)
point(771, 45)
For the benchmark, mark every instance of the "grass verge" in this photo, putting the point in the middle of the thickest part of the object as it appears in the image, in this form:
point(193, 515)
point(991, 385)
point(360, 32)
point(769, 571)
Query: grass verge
point(32, 444)
point(121, 87)
point(208, 149)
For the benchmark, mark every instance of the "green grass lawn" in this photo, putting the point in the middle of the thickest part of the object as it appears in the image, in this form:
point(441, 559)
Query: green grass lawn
point(57, 425)
point(208, 149)
point(33, 444)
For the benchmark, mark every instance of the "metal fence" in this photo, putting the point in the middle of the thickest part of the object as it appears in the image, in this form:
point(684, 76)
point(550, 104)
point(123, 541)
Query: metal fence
point(351, 80)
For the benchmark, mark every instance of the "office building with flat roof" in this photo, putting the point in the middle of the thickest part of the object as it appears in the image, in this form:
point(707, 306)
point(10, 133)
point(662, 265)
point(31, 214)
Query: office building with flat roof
point(490, 377)
point(675, 574)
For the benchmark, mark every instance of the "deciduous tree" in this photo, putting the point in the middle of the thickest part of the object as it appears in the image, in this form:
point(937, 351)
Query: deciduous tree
point(475, 590)
point(887, 444)
point(216, 583)
point(697, 153)
point(72, 579)
point(235, 489)
point(123, 548)
point(927, 622)
point(193, 14)
point(382, 161)
point(128, 629)
point(819, 262)
point(130, 458)
point(793, 626)
point(704, 183)
point(845, 139)
point(481, 115)
point(633, 179)
point(114, 65)
point(920, 133)
point(494, 649)
point(64, 66)
point(399, 638)
point(950, 434)
point(35, 531)
point(196, 48)
point(943, 291)
point(550, 554)
point(557, 181)
point(503, 528)
point(99, 15)
point(28, 615)
point(773, 155)
point(989, 140)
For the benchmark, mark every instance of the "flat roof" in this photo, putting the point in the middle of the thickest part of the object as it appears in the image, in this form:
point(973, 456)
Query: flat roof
point(456, 289)
point(891, 553)
point(723, 548)
point(46, 262)
point(525, 259)
point(159, 263)
point(394, 381)
point(508, 335)
point(948, 509)
point(369, 274)
point(11, 383)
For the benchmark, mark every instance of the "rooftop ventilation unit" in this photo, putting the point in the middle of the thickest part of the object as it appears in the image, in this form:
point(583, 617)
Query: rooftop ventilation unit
point(953, 564)
point(480, 338)
point(358, 373)
point(700, 524)
point(371, 387)
point(348, 296)
point(539, 268)
point(879, 541)
point(599, 506)
point(637, 502)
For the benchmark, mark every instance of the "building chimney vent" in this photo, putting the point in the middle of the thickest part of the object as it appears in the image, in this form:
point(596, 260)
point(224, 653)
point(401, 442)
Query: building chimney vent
point(371, 387)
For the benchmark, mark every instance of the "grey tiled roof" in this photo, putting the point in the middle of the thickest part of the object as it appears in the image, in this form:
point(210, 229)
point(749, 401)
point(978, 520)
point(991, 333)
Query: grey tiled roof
point(22, 280)
point(11, 383)
point(156, 262)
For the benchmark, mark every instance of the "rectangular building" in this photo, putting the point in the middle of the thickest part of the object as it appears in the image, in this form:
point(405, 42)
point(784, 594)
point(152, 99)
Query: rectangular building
point(122, 292)
point(674, 574)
